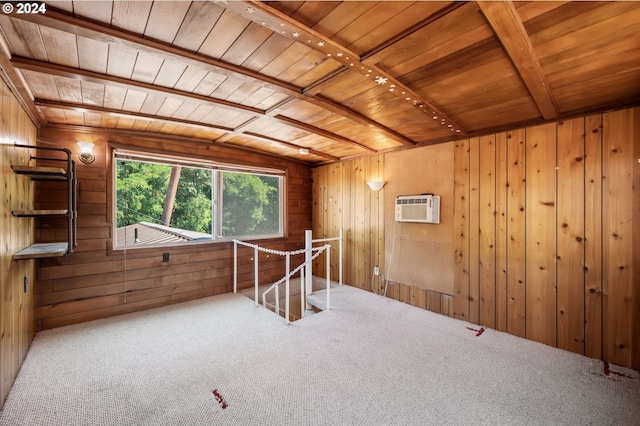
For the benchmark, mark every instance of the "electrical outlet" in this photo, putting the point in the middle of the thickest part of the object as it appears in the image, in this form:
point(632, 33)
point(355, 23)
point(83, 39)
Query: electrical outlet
point(376, 270)
point(165, 257)
point(26, 283)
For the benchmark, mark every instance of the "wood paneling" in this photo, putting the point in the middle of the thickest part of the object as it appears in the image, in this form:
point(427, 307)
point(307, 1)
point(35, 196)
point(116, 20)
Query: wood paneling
point(545, 233)
point(516, 234)
point(17, 309)
point(502, 229)
point(487, 232)
point(461, 230)
point(540, 262)
point(474, 230)
point(619, 290)
point(570, 233)
point(593, 236)
point(342, 200)
point(97, 281)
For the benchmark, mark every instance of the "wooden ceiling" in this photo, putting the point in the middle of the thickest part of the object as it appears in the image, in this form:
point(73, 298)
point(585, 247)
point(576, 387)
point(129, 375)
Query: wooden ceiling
point(336, 79)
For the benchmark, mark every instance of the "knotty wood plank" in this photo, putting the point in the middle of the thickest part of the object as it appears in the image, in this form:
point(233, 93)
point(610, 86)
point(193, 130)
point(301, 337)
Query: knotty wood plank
point(461, 229)
point(334, 217)
point(133, 101)
point(635, 349)
point(121, 62)
point(359, 225)
point(17, 319)
point(190, 79)
point(147, 67)
point(445, 304)
point(69, 89)
point(570, 232)
point(434, 302)
point(24, 37)
point(501, 231)
point(131, 16)
point(404, 293)
point(516, 230)
point(617, 201)
point(487, 231)
point(377, 236)
point(165, 20)
point(474, 230)
point(541, 234)
point(92, 93)
point(593, 236)
point(347, 220)
point(319, 190)
point(418, 297)
point(43, 86)
point(225, 32)
point(93, 55)
point(169, 73)
point(371, 214)
point(197, 24)
point(61, 47)
point(98, 11)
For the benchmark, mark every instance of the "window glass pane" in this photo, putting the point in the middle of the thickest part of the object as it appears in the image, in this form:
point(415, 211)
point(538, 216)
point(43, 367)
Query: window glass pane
point(162, 203)
point(165, 201)
point(250, 204)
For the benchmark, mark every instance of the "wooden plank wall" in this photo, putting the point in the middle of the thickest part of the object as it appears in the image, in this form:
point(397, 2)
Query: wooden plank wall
point(96, 282)
point(17, 307)
point(342, 199)
point(566, 234)
point(546, 233)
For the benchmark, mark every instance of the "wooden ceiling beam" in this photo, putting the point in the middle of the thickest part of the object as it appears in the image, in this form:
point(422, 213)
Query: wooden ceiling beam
point(306, 127)
point(365, 121)
point(94, 77)
point(92, 30)
point(228, 135)
point(68, 106)
point(74, 73)
point(285, 25)
point(503, 18)
point(293, 146)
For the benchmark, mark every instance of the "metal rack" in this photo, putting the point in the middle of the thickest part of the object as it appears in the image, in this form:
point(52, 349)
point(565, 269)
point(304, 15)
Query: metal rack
point(66, 175)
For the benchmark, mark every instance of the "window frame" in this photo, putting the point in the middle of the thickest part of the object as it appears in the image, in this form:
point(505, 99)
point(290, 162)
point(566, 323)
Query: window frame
point(218, 168)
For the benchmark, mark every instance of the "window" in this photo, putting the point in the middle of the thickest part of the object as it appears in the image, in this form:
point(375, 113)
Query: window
point(161, 201)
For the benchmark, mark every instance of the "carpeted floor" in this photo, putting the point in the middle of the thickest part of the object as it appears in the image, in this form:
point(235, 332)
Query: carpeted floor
point(368, 361)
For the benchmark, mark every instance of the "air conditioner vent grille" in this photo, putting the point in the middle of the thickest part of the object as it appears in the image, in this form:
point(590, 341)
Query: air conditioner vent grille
point(418, 208)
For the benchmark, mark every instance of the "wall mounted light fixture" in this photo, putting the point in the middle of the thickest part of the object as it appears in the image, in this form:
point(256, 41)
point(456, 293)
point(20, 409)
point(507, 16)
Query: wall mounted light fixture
point(86, 152)
point(375, 185)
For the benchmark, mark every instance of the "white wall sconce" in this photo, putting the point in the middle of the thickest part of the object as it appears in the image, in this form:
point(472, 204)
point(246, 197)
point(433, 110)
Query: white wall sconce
point(375, 186)
point(86, 152)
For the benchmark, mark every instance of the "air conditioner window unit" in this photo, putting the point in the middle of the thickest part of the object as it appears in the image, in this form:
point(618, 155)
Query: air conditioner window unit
point(418, 208)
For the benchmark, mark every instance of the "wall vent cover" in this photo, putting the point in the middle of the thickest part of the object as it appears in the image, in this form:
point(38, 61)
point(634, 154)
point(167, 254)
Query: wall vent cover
point(418, 208)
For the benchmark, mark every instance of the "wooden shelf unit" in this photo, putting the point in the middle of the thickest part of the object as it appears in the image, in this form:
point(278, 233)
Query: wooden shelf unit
point(66, 175)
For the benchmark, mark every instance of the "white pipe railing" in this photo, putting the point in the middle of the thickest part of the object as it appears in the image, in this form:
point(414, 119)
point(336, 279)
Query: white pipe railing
point(339, 239)
point(305, 277)
point(275, 286)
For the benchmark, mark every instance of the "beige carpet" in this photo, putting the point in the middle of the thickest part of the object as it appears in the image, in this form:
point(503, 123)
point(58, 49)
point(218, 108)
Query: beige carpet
point(368, 361)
